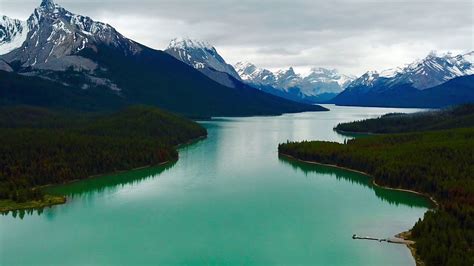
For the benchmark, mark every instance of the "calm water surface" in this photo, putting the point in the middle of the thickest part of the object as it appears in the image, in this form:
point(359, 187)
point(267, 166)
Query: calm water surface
point(229, 200)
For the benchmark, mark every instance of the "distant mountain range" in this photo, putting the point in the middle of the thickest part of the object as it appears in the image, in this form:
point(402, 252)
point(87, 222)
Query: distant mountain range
point(422, 83)
point(57, 58)
point(318, 86)
point(434, 81)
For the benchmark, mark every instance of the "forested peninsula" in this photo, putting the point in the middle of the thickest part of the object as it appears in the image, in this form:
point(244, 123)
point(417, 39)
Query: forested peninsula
point(41, 147)
point(435, 157)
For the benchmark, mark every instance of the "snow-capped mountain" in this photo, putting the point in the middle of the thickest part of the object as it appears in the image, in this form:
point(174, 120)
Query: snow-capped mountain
point(52, 37)
point(205, 58)
point(319, 81)
point(400, 86)
point(199, 55)
point(69, 61)
point(255, 75)
point(323, 75)
point(13, 34)
point(287, 78)
point(283, 83)
point(431, 71)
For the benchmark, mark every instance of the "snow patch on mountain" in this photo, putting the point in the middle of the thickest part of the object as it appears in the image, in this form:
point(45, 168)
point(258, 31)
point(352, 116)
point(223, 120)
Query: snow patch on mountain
point(13, 33)
point(187, 43)
point(202, 56)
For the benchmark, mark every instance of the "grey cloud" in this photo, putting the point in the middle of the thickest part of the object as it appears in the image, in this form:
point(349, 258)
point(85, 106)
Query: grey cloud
point(350, 35)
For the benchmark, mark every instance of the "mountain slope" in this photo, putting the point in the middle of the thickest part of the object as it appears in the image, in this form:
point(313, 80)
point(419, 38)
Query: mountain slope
point(414, 85)
point(195, 94)
point(205, 58)
point(16, 89)
point(200, 55)
point(81, 54)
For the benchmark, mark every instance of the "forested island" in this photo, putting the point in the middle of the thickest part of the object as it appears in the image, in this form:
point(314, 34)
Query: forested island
point(41, 147)
point(439, 163)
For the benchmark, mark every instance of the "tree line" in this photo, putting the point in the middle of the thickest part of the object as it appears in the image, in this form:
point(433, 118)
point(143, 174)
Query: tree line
point(452, 117)
point(40, 146)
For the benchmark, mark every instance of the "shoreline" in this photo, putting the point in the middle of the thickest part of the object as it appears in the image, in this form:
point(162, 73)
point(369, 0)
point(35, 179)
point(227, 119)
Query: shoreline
point(52, 200)
point(402, 235)
point(126, 170)
point(189, 142)
point(430, 198)
point(355, 133)
point(7, 206)
point(406, 236)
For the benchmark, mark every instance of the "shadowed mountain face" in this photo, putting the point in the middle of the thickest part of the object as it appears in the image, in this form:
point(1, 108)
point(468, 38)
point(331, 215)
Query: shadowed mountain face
point(96, 67)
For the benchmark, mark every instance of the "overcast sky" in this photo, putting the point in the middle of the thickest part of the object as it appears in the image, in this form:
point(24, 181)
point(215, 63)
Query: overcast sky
point(352, 36)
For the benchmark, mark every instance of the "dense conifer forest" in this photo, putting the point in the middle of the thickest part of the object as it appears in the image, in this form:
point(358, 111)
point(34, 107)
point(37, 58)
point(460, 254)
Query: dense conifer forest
point(39, 146)
point(439, 163)
point(453, 117)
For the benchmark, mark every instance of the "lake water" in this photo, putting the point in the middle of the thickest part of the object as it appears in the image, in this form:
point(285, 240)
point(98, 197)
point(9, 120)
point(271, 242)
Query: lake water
point(229, 200)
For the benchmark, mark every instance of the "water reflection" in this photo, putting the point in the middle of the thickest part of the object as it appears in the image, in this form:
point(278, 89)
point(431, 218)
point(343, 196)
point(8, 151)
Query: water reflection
point(351, 135)
point(21, 213)
point(90, 187)
point(391, 196)
point(109, 183)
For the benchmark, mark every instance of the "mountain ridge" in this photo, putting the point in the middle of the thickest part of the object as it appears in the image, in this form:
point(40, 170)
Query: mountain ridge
point(425, 73)
point(422, 83)
point(319, 85)
point(101, 66)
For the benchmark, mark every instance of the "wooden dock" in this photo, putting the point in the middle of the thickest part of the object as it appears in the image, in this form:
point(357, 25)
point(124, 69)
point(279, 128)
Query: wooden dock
point(388, 240)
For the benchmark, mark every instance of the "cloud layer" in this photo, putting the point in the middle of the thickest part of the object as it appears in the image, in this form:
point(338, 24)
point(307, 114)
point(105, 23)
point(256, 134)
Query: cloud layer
point(351, 35)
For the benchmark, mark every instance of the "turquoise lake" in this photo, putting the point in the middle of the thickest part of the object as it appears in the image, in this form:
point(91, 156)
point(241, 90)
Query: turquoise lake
point(228, 200)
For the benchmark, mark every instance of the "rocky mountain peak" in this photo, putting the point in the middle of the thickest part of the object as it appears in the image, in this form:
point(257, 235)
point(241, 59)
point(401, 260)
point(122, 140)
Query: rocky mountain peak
point(201, 55)
point(187, 43)
point(48, 4)
point(55, 34)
